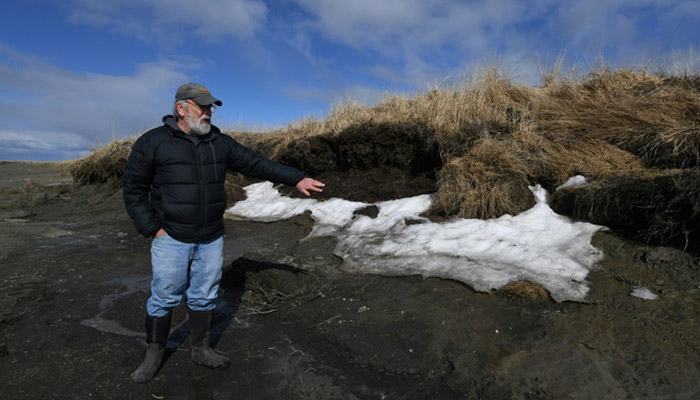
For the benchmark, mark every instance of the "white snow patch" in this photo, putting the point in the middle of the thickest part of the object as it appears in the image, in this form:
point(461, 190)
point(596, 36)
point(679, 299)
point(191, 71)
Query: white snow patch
point(643, 293)
point(537, 245)
point(577, 180)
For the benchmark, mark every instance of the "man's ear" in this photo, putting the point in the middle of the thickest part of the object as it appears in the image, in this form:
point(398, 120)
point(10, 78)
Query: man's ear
point(180, 110)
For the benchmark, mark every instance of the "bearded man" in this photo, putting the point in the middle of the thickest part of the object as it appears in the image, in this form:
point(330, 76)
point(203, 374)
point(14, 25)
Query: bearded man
point(174, 193)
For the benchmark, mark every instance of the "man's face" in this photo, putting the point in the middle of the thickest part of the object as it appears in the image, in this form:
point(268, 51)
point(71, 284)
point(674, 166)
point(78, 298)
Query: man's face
point(197, 118)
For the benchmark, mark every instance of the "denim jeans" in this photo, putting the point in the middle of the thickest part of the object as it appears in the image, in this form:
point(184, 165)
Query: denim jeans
point(178, 268)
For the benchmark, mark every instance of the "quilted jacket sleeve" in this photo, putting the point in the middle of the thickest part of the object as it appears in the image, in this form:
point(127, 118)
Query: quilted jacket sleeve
point(137, 180)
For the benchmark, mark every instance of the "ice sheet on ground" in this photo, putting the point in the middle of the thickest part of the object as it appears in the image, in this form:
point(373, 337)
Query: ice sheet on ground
point(537, 245)
point(643, 293)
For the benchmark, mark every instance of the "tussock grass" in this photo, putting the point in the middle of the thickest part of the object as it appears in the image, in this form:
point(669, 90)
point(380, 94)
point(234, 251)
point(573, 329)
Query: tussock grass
point(654, 117)
point(495, 137)
point(525, 290)
point(102, 165)
point(489, 180)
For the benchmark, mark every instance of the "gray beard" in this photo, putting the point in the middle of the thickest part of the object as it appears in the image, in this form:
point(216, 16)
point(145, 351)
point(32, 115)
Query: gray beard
point(197, 126)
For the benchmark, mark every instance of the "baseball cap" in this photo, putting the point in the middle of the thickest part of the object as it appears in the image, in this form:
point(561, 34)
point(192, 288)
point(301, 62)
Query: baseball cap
point(197, 93)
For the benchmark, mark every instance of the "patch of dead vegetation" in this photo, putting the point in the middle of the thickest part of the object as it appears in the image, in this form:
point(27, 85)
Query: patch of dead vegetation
point(490, 180)
point(525, 290)
point(104, 164)
point(653, 117)
point(481, 143)
point(32, 195)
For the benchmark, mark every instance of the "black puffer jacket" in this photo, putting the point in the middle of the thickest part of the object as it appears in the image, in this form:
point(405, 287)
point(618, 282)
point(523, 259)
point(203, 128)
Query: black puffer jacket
point(175, 181)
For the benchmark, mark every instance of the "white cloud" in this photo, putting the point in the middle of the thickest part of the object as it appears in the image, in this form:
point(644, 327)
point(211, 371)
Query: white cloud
point(42, 140)
point(599, 23)
point(164, 21)
point(428, 39)
point(686, 8)
point(94, 108)
point(355, 93)
point(363, 94)
point(41, 145)
point(425, 40)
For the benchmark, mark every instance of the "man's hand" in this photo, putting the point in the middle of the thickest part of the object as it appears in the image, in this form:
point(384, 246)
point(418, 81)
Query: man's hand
point(160, 233)
point(307, 184)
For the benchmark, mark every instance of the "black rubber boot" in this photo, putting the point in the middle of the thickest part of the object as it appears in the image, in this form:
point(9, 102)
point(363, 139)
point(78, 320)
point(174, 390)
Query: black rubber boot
point(202, 353)
point(157, 329)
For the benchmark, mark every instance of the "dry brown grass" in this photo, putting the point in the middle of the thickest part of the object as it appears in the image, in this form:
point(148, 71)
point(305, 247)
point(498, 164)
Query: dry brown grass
point(492, 179)
point(524, 290)
point(654, 117)
point(488, 181)
point(102, 165)
point(486, 103)
point(496, 137)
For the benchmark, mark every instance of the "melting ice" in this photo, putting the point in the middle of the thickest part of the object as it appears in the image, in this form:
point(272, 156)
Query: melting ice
point(537, 245)
point(644, 293)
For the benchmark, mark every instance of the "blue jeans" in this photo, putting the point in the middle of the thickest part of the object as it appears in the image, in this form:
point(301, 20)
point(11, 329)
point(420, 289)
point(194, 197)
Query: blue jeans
point(178, 268)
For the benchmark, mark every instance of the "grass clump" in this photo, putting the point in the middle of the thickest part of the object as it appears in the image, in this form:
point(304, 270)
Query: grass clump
point(103, 165)
point(656, 118)
point(525, 290)
point(489, 180)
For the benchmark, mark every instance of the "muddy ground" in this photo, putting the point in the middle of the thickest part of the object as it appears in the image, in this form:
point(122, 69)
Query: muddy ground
point(75, 278)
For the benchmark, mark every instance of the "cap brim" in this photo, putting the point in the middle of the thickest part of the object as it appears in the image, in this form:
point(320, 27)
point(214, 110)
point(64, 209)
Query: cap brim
point(207, 100)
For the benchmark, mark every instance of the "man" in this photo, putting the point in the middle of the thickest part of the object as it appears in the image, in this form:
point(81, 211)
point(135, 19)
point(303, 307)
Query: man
point(174, 193)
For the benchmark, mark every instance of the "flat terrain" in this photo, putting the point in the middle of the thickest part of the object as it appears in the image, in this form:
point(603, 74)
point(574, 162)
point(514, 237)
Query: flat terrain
point(75, 278)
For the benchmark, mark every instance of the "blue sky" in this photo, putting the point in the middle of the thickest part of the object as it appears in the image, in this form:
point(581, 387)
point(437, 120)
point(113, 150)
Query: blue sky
point(76, 73)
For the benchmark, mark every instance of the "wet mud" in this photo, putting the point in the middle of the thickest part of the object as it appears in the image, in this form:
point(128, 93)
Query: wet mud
point(75, 278)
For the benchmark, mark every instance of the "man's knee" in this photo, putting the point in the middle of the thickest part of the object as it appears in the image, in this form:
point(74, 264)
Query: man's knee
point(162, 305)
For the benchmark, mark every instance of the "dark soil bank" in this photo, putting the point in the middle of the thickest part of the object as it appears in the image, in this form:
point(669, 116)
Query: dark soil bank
point(75, 278)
